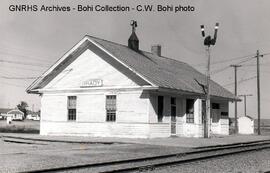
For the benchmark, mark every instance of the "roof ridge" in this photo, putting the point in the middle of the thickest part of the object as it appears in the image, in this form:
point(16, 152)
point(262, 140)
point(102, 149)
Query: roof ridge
point(165, 57)
point(140, 50)
point(106, 40)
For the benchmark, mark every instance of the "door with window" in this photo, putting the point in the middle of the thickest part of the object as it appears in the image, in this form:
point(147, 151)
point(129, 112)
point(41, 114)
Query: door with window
point(215, 112)
point(173, 116)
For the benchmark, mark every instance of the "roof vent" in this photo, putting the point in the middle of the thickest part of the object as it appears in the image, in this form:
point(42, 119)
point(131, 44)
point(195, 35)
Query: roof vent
point(156, 49)
point(133, 41)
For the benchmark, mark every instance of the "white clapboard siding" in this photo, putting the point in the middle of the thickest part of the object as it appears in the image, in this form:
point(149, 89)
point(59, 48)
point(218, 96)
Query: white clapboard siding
point(159, 130)
point(131, 115)
point(91, 107)
point(131, 130)
point(132, 107)
point(192, 130)
point(224, 126)
point(91, 66)
point(54, 107)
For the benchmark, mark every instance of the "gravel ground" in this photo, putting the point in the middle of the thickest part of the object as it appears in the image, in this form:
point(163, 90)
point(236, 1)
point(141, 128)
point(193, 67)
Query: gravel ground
point(242, 163)
point(17, 157)
point(24, 157)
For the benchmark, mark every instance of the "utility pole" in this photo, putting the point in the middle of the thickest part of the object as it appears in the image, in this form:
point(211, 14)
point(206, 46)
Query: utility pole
point(245, 102)
point(235, 102)
point(258, 91)
point(208, 41)
point(207, 119)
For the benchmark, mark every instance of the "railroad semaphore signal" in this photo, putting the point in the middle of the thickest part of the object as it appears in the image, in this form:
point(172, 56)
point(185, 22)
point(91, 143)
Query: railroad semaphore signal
point(208, 41)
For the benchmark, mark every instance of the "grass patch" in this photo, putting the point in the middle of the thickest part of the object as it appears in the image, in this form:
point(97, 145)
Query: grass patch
point(16, 129)
point(26, 126)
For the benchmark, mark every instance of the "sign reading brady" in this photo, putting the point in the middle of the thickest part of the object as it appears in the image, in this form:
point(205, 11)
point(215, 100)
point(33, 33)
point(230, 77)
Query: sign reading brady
point(92, 83)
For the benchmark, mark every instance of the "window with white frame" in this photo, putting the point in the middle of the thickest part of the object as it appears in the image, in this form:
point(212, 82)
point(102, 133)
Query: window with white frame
point(111, 108)
point(190, 110)
point(71, 106)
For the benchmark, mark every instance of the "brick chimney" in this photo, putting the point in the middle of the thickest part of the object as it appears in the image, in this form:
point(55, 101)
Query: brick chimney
point(133, 41)
point(156, 49)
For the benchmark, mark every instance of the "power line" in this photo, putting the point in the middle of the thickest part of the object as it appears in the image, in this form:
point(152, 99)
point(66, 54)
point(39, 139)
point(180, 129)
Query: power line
point(19, 50)
point(265, 64)
point(219, 70)
point(6, 77)
point(241, 81)
point(247, 58)
point(23, 63)
point(224, 61)
point(11, 84)
point(10, 67)
point(27, 57)
point(227, 67)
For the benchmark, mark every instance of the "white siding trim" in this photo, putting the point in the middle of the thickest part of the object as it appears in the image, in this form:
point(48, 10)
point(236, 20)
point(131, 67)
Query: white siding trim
point(100, 88)
point(134, 71)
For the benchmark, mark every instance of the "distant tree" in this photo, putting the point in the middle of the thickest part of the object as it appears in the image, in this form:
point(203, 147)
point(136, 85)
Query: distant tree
point(22, 107)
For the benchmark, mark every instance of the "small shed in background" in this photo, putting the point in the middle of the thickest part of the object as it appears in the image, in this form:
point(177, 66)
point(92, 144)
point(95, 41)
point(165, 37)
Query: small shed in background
point(246, 125)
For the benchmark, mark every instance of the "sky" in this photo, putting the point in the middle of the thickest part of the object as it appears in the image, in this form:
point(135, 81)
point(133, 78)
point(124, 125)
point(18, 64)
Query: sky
point(32, 41)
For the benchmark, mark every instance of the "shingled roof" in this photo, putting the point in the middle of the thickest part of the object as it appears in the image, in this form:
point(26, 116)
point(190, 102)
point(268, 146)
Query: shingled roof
point(161, 71)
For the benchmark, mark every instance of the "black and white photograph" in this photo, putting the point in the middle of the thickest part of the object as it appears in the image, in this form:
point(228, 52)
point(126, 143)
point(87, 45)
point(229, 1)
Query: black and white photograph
point(110, 86)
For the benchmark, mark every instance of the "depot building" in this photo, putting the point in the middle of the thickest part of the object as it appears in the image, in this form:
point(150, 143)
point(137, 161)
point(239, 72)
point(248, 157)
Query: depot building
point(105, 89)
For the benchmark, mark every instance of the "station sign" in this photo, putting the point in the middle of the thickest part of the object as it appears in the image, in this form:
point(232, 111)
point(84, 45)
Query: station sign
point(92, 83)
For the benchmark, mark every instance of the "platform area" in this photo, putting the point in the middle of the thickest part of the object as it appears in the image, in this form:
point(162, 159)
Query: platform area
point(186, 142)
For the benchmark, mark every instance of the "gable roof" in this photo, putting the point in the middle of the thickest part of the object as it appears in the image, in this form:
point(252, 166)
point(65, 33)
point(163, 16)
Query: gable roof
point(15, 111)
point(158, 71)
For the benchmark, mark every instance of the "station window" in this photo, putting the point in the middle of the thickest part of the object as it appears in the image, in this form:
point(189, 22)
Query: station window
point(224, 114)
point(215, 106)
point(190, 110)
point(110, 107)
point(160, 108)
point(71, 106)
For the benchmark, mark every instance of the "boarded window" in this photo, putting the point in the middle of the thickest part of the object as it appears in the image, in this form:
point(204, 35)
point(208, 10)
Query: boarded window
point(110, 107)
point(160, 108)
point(71, 106)
point(190, 110)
